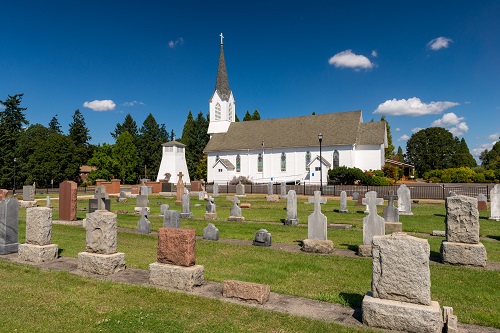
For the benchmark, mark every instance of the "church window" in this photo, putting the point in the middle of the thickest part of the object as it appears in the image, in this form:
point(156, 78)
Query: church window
point(169, 149)
point(217, 112)
point(259, 163)
point(335, 163)
point(283, 161)
point(220, 170)
point(308, 159)
point(238, 163)
point(230, 114)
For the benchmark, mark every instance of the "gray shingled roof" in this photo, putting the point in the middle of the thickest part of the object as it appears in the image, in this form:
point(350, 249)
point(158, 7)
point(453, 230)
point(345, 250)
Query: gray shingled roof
point(226, 163)
point(340, 128)
point(173, 143)
point(222, 82)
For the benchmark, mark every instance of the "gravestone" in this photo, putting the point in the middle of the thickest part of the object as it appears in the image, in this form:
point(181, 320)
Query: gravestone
point(48, 203)
point(291, 209)
point(101, 238)
point(94, 203)
point(452, 194)
point(482, 202)
point(9, 221)
point(186, 205)
point(495, 203)
point(180, 189)
point(163, 209)
point(235, 213)
point(172, 219)
point(373, 224)
point(343, 202)
point(283, 190)
point(38, 247)
point(401, 286)
point(101, 195)
point(67, 200)
point(462, 246)
point(144, 225)
point(166, 187)
point(202, 195)
point(141, 201)
point(317, 241)
point(262, 238)
point(28, 197)
point(360, 199)
point(391, 216)
point(404, 200)
point(210, 213)
point(143, 189)
point(211, 232)
point(355, 196)
point(270, 189)
point(215, 191)
point(240, 190)
point(123, 197)
point(3, 193)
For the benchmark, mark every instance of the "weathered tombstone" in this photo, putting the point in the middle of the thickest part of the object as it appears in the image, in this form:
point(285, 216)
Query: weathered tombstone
point(404, 200)
point(28, 197)
point(316, 228)
point(360, 200)
point(283, 190)
point(171, 219)
point(101, 237)
point(9, 220)
point(210, 213)
point(144, 225)
point(176, 261)
point(373, 224)
point(144, 190)
point(163, 209)
point(270, 189)
point(343, 202)
point(211, 232)
point(180, 189)
point(391, 216)
point(495, 203)
point(262, 238)
point(142, 201)
point(202, 195)
point(186, 205)
point(94, 203)
point(462, 246)
point(38, 247)
point(67, 200)
point(240, 190)
point(3, 193)
point(215, 191)
point(291, 209)
point(123, 197)
point(235, 213)
point(401, 286)
point(355, 196)
point(101, 195)
point(48, 204)
point(482, 202)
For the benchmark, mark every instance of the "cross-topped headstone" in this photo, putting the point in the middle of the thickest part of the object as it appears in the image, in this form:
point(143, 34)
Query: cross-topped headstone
point(235, 210)
point(391, 213)
point(316, 222)
point(373, 224)
point(180, 174)
point(100, 194)
point(144, 225)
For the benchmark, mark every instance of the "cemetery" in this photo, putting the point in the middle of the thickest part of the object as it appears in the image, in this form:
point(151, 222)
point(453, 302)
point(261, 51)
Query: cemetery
point(311, 275)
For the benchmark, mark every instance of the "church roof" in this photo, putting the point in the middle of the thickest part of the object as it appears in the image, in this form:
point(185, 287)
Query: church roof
point(222, 82)
point(173, 143)
point(340, 128)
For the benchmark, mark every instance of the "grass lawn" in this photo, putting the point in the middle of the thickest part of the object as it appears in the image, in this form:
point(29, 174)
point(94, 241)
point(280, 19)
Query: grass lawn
point(472, 292)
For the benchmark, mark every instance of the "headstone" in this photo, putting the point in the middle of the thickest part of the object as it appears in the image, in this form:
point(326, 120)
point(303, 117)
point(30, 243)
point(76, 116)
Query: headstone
point(9, 220)
point(28, 193)
point(211, 232)
point(391, 213)
point(355, 196)
point(142, 201)
point(38, 247)
point(101, 195)
point(373, 224)
point(101, 238)
point(172, 219)
point(462, 246)
point(202, 195)
point(180, 189)
point(163, 209)
point(495, 203)
point(235, 213)
point(123, 197)
point(291, 209)
point(360, 200)
point(186, 205)
point(48, 204)
point(401, 286)
point(144, 190)
point(94, 203)
point(166, 187)
point(262, 238)
point(317, 221)
point(67, 200)
point(215, 191)
point(240, 190)
point(404, 200)
point(343, 202)
point(210, 213)
point(144, 225)
point(270, 189)
point(283, 190)
point(3, 193)
point(482, 202)
point(452, 194)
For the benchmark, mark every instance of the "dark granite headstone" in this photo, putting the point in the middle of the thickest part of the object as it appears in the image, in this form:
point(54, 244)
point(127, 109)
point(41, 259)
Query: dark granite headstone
point(262, 238)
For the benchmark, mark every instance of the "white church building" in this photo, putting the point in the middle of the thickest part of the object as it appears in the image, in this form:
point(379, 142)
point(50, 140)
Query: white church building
point(287, 149)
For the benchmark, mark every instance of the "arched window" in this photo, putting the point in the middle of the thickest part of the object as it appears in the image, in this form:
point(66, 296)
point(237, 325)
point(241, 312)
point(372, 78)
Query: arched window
point(259, 163)
point(230, 113)
point(308, 159)
point(238, 163)
point(217, 112)
point(336, 162)
point(283, 161)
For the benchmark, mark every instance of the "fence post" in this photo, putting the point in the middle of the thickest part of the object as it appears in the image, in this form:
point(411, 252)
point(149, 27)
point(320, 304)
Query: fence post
point(227, 187)
point(444, 195)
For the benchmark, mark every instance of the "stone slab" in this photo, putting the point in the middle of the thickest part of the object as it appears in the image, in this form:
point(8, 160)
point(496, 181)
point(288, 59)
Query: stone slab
point(246, 205)
point(391, 227)
point(27, 204)
point(291, 221)
point(463, 254)
point(137, 210)
point(440, 233)
point(401, 316)
point(317, 246)
point(210, 216)
point(102, 264)
point(38, 253)
point(273, 198)
point(178, 277)
point(186, 215)
point(101, 232)
point(39, 226)
point(236, 218)
point(176, 246)
point(462, 220)
point(246, 291)
point(365, 250)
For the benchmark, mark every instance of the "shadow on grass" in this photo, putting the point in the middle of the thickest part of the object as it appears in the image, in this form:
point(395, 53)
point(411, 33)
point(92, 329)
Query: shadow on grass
point(440, 215)
point(59, 252)
point(351, 247)
point(435, 257)
point(494, 237)
point(352, 300)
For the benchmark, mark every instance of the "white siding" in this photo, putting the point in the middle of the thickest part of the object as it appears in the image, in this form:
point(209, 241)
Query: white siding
point(369, 157)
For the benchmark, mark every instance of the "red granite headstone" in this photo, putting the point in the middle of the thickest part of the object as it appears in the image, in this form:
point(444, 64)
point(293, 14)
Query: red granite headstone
point(176, 246)
point(3, 193)
point(67, 200)
point(482, 205)
point(360, 200)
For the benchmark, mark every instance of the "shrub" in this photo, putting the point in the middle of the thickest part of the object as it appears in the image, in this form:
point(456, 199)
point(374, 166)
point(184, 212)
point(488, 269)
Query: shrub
point(377, 181)
point(348, 176)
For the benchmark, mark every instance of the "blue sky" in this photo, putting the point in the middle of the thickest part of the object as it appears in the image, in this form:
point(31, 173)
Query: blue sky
point(421, 63)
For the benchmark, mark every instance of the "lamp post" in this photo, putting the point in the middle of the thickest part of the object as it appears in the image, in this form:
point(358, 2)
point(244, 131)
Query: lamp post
point(14, 188)
point(320, 138)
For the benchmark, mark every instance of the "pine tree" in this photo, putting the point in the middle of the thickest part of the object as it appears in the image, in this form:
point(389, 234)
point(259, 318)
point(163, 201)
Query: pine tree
point(189, 135)
point(172, 135)
point(247, 117)
point(54, 125)
point(125, 154)
point(401, 157)
point(256, 115)
point(389, 151)
point(150, 140)
point(128, 125)
point(236, 119)
point(463, 157)
point(79, 134)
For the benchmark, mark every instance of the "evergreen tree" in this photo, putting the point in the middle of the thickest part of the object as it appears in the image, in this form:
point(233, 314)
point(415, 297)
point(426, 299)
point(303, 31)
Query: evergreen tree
point(247, 117)
point(79, 134)
point(12, 121)
point(490, 159)
point(128, 125)
point(54, 125)
point(151, 137)
point(189, 135)
point(401, 157)
point(389, 151)
point(125, 154)
point(172, 135)
point(236, 119)
point(256, 115)
point(463, 157)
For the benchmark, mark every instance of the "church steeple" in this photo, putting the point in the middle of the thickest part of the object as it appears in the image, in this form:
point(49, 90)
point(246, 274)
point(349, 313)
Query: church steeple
point(222, 83)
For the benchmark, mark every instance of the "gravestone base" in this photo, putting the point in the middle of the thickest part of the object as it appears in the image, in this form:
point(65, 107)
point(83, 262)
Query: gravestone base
point(137, 210)
point(210, 216)
point(440, 233)
point(9, 248)
point(317, 246)
point(365, 250)
point(495, 218)
point(246, 291)
point(102, 264)
point(186, 215)
point(27, 204)
point(463, 254)
point(122, 200)
point(236, 218)
point(405, 213)
point(38, 253)
point(241, 195)
point(178, 277)
point(291, 222)
point(391, 227)
point(272, 198)
point(401, 316)
point(343, 211)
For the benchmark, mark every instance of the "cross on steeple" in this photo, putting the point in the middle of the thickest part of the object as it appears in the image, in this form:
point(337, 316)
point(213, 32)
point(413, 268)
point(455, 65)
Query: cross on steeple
point(221, 39)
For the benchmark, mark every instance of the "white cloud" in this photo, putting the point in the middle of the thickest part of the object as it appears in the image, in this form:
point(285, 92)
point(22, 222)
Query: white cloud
point(350, 60)
point(459, 127)
point(174, 43)
point(374, 53)
point(439, 43)
point(397, 129)
point(404, 137)
point(482, 147)
point(494, 136)
point(412, 107)
point(416, 129)
point(133, 103)
point(100, 105)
